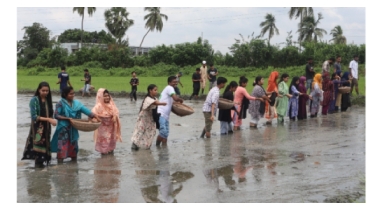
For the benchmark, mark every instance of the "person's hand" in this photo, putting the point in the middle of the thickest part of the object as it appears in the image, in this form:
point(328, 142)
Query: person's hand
point(181, 100)
point(321, 103)
point(52, 121)
point(310, 97)
point(115, 118)
point(269, 100)
point(212, 118)
point(260, 99)
point(96, 117)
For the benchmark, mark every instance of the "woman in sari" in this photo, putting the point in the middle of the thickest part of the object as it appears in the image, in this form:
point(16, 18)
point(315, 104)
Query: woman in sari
point(328, 88)
point(316, 94)
point(109, 132)
point(270, 110)
point(225, 117)
point(282, 100)
point(302, 99)
point(336, 80)
point(37, 146)
point(65, 138)
point(257, 108)
point(293, 101)
point(241, 100)
point(145, 128)
point(345, 100)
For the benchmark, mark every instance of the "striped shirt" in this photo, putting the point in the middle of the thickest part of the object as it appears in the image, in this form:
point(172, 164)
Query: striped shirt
point(212, 98)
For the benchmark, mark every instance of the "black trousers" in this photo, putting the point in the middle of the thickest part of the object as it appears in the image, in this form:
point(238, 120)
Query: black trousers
point(133, 92)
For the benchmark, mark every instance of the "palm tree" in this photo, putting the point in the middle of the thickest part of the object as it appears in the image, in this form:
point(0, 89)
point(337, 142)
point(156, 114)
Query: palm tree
point(338, 37)
point(300, 12)
point(269, 26)
point(308, 29)
point(117, 22)
point(81, 12)
point(154, 21)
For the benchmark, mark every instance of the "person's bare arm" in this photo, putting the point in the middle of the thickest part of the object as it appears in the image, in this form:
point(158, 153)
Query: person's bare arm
point(176, 98)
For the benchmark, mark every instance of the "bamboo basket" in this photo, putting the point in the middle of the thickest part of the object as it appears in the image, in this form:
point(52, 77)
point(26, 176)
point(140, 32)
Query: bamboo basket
point(181, 109)
point(225, 103)
point(84, 125)
point(344, 89)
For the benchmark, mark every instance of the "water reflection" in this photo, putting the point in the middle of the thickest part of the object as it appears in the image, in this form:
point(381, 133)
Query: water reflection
point(66, 183)
point(161, 182)
point(38, 185)
point(106, 179)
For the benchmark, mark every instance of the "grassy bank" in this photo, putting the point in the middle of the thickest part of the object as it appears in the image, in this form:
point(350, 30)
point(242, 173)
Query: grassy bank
point(119, 84)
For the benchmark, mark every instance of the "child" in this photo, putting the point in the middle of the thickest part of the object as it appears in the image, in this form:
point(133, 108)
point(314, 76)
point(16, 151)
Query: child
point(134, 82)
point(225, 117)
point(145, 129)
point(196, 79)
point(210, 106)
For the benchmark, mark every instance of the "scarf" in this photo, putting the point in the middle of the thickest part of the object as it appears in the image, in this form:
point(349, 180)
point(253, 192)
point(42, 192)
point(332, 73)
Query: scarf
point(103, 109)
point(272, 82)
point(317, 80)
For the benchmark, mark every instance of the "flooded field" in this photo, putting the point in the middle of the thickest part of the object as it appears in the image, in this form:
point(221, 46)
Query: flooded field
point(315, 160)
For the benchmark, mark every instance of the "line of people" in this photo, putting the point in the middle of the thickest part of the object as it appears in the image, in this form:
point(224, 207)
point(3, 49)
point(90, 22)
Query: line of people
point(278, 101)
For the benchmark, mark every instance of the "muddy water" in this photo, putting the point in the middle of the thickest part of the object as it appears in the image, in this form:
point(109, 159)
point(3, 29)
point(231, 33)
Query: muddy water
point(315, 160)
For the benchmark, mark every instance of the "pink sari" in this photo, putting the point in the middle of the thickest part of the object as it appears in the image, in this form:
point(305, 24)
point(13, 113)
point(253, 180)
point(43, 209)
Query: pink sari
point(109, 132)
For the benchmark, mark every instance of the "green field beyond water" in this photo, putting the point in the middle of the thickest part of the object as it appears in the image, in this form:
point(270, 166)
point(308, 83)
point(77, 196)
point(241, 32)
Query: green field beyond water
point(118, 84)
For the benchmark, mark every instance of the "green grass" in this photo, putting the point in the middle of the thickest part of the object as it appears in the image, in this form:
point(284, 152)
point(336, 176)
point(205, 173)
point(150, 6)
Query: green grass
point(122, 83)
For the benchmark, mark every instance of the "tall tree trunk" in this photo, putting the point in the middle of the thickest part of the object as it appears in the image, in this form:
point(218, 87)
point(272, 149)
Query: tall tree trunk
point(139, 49)
point(82, 28)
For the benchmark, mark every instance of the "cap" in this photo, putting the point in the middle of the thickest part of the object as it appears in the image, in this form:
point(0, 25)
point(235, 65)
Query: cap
point(204, 62)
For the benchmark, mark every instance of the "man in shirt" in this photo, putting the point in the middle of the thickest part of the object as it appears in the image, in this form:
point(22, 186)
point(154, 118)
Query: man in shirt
point(88, 82)
point(211, 74)
point(309, 74)
point(210, 106)
point(177, 91)
point(196, 77)
point(203, 74)
point(326, 66)
point(337, 64)
point(63, 79)
point(134, 82)
point(168, 96)
point(353, 69)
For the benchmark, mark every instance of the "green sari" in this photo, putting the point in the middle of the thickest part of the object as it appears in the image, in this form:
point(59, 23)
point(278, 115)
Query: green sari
point(282, 103)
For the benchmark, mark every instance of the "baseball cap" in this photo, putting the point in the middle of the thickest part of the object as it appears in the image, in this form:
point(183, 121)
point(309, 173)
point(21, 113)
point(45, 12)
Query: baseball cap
point(204, 62)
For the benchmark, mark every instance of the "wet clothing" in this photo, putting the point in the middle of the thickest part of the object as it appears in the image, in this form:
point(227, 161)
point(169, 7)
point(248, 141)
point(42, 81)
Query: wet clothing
point(328, 89)
point(134, 82)
point(109, 132)
point(345, 100)
point(65, 138)
point(254, 106)
point(293, 103)
point(145, 128)
point(241, 98)
point(282, 103)
point(37, 146)
point(302, 100)
point(270, 110)
point(225, 117)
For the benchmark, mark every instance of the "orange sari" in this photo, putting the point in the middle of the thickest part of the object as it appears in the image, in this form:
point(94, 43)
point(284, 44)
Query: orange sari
point(109, 132)
point(272, 87)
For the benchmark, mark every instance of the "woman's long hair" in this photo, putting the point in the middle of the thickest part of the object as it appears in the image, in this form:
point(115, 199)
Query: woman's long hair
point(48, 97)
point(243, 80)
point(293, 83)
point(150, 87)
point(285, 75)
point(232, 84)
point(66, 91)
point(257, 80)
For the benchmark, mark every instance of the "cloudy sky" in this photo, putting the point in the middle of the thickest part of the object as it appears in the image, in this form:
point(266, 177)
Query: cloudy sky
point(220, 25)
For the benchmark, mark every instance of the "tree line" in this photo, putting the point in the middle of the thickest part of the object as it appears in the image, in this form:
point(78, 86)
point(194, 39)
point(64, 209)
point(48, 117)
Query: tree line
point(39, 49)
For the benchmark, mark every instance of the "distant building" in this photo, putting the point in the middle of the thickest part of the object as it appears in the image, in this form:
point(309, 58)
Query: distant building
point(73, 47)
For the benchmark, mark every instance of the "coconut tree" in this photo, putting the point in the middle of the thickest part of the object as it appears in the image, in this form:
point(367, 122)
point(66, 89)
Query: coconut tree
point(269, 26)
point(300, 12)
point(308, 29)
point(338, 37)
point(154, 21)
point(81, 12)
point(117, 22)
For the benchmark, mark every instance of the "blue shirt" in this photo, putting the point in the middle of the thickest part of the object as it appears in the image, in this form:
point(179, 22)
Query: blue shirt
point(64, 79)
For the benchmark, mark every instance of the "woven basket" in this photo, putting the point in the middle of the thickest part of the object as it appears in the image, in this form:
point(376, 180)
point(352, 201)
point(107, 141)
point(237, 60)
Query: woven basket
point(344, 89)
point(225, 103)
point(181, 109)
point(84, 125)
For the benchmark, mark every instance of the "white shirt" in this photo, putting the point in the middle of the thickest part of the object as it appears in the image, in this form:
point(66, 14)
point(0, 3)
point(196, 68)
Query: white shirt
point(166, 96)
point(354, 68)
